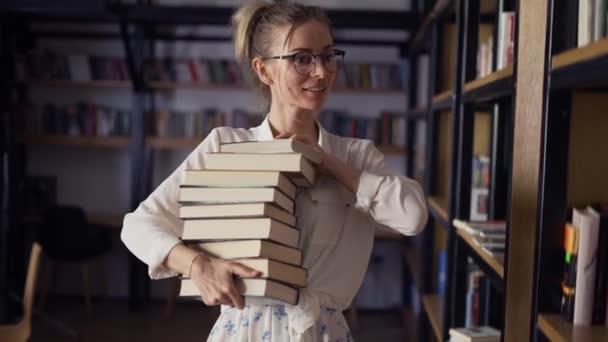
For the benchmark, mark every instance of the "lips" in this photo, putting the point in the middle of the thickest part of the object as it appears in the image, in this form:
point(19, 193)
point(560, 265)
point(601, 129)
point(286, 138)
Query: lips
point(317, 89)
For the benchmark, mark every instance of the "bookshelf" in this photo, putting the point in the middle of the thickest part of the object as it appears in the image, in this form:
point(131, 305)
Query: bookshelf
point(433, 307)
point(556, 329)
point(76, 141)
point(80, 84)
point(542, 159)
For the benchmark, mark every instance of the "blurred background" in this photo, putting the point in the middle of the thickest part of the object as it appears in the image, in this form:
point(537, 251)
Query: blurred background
point(110, 97)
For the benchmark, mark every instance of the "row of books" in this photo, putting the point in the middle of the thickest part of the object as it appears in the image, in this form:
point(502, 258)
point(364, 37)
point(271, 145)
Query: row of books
point(47, 65)
point(387, 129)
point(198, 124)
point(592, 22)
point(490, 236)
point(373, 76)
point(480, 188)
point(79, 119)
point(241, 207)
point(504, 49)
point(585, 283)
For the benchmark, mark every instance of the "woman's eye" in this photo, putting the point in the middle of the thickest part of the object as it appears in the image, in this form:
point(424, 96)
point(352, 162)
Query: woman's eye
point(303, 58)
point(329, 57)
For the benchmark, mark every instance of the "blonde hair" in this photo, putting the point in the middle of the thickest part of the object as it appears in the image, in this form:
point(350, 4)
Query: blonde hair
point(252, 27)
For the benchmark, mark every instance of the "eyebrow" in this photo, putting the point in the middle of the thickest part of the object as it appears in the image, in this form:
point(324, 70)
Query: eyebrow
point(310, 50)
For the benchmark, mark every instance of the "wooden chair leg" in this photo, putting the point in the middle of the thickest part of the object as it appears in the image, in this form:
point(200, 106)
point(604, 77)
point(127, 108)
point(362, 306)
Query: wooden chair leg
point(172, 297)
point(103, 275)
point(86, 290)
point(46, 281)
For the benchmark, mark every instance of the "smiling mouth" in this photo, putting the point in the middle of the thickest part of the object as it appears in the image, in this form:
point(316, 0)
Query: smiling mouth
point(316, 89)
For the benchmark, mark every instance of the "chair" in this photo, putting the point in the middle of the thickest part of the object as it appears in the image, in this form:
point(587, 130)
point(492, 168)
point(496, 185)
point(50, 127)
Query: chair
point(21, 331)
point(66, 236)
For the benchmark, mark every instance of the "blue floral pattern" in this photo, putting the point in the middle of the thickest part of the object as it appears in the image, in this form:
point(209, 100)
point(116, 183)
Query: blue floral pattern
point(271, 323)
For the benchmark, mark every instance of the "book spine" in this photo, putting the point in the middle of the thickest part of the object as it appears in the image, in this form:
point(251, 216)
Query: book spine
point(601, 276)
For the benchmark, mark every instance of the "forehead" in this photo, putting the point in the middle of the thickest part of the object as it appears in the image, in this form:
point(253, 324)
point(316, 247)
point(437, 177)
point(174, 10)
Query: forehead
point(312, 35)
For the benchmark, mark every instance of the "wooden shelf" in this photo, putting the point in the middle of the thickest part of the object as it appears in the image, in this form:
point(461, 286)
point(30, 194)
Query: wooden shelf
point(581, 67)
point(79, 141)
point(391, 149)
point(438, 209)
point(490, 87)
point(81, 84)
point(433, 306)
point(582, 54)
point(158, 85)
point(173, 143)
point(557, 329)
point(496, 263)
point(442, 100)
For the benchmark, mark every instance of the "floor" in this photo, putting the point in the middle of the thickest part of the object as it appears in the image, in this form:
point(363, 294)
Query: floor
point(64, 319)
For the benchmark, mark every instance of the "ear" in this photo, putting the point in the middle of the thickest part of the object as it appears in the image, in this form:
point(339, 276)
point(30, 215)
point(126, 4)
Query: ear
point(262, 70)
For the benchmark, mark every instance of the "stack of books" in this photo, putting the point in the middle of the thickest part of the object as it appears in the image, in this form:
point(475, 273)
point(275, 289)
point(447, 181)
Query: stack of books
point(241, 208)
point(489, 235)
point(475, 334)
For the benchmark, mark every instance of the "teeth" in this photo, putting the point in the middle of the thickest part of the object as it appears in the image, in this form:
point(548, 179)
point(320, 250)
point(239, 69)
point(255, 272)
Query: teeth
point(316, 89)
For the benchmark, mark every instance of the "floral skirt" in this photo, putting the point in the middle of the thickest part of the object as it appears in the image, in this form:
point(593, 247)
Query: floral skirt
point(270, 323)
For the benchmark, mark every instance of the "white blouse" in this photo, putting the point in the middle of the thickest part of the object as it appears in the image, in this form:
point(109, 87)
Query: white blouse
point(336, 227)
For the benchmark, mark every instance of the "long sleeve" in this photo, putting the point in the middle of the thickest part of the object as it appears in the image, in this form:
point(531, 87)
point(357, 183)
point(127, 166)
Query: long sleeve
point(392, 200)
point(154, 228)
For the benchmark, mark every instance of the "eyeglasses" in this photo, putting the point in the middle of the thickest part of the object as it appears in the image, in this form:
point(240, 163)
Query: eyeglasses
point(304, 61)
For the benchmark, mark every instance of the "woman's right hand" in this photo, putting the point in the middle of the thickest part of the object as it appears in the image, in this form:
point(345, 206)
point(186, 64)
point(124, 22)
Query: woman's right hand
point(214, 278)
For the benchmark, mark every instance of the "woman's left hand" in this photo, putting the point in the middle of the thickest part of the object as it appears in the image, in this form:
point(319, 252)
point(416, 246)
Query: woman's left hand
point(330, 166)
point(324, 166)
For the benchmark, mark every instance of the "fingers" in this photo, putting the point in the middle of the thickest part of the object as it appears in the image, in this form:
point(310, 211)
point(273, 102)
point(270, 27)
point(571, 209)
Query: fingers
point(284, 135)
point(235, 298)
point(243, 271)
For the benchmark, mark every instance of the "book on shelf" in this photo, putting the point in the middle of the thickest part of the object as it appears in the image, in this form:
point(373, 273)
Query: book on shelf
point(240, 229)
point(200, 195)
point(295, 165)
point(568, 284)
point(273, 146)
point(474, 297)
point(239, 249)
point(584, 288)
point(240, 210)
point(591, 21)
point(255, 287)
point(480, 188)
point(484, 229)
point(239, 179)
point(475, 334)
point(505, 46)
point(277, 271)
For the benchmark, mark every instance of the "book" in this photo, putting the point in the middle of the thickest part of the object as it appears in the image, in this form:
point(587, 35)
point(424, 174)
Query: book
point(240, 229)
point(240, 179)
point(568, 285)
point(275, 270)
point(600, 293)
point(487, 229)
point(188, 195)
point(587, 221)
point(272, 146)
point(475, 334)
point(256, 287)
point(246, 210)
point(298, 168)
point(239, 249)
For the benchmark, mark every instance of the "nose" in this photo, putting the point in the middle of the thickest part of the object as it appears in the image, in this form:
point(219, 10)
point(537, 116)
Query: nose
point(318, 69)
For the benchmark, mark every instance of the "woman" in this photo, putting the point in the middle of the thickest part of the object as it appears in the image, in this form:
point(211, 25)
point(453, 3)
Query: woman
point(288, 50)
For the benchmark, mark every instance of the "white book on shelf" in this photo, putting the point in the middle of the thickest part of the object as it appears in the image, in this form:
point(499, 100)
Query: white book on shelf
point(587, 221)
point(80, 69)
point(599, 19)
point(584, 22)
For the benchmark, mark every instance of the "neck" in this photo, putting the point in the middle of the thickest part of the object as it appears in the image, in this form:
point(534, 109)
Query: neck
point(292, 120)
